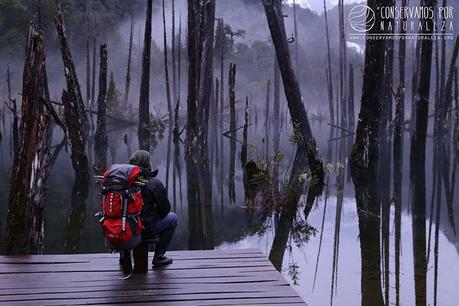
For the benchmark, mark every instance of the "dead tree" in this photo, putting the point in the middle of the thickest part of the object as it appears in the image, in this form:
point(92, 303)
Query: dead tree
point(398, 154)
point(88, 63)
point(350, 101)
point(342, 65)
point(418, 159)
point(144, 100)
point(201, 16)
point(267, 119)
point(245, 140)
point(232, 103)
point(74, 113)
point(173, 51)
point(168, 90)
point(295, 31)
point(100, 138)
point(128, 68)
point(29, 178)
point(179, 59)
point(276, 107)
point(166, 67)
point(93, 85)
point(329, 76)
point(73, 86)
point(14, 110)
point(273, 10)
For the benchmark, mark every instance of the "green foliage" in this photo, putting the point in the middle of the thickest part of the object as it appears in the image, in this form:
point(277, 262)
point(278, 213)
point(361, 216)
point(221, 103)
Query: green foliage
point(14, 19)
point(15, 16)
point(156, 128)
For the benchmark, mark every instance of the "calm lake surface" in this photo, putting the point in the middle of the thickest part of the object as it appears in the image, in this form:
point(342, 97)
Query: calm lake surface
point(320, 256)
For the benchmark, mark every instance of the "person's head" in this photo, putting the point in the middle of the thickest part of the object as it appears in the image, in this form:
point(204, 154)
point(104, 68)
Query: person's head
point(141, 158)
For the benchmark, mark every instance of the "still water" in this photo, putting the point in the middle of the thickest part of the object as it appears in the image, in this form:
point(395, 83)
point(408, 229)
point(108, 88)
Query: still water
point(319, 256)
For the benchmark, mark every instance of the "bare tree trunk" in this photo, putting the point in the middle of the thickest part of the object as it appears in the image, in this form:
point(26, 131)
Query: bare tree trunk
point(329, 76)
point(144, 100)
point(168, 91)
point(74, 113)
point(29, 179)
point(179, 58)
point(364, 165)
point(276, 107)
point(267, 119)
point(295, 31)
point(350, 101)
point(14, 110)
point(245, 140)
point(173, 51)
point(417, 161)
point(398, 155)
point(73, 86)
point(128, 69)
point(88, 63)
point(307, 144)
point(232, 103)
point(100, 145)
point(343, 65)
point(93, 85)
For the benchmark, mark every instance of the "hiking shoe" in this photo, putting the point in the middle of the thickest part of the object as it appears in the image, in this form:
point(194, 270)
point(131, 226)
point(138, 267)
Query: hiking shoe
point(161, 261)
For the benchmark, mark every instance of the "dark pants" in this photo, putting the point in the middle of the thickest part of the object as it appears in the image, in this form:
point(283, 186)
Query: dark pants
point(165, 228)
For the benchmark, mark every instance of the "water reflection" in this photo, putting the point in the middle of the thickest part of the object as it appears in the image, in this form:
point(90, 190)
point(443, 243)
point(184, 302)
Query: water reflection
point(305, 237)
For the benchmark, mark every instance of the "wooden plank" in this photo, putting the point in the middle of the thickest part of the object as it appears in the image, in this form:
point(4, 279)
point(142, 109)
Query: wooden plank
point(230, 277)
point(209, 302)
point(112, 275)
point(231, 253)
point(12, 269)
point(126, 291)
point(150, 296)
point(115, 286)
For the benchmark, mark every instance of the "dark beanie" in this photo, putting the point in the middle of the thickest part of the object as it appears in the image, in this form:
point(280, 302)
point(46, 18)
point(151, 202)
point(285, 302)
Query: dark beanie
point(140, 158)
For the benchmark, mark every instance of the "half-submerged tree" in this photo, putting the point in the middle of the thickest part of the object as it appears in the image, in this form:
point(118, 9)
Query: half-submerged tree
point(74, 113)
point(100, 138)
point(201, 15)
point(418, 158)
point(144, 100)
point(364, 166)
point(306, 141)
point(24, 229)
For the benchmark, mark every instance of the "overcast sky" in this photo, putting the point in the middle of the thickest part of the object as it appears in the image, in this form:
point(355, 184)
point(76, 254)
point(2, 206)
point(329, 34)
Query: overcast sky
point(318, 5)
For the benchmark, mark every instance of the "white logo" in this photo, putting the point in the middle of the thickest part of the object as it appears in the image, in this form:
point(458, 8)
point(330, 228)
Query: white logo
point(362, 18)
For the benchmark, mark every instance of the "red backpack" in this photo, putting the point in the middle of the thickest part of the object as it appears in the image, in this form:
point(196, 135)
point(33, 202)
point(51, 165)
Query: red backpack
point(121, 205)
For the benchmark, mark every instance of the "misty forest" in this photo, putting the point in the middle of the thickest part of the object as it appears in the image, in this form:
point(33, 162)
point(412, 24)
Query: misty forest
point(269, 127)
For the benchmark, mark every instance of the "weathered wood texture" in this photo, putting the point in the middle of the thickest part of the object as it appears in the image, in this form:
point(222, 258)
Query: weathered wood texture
point(238, 277)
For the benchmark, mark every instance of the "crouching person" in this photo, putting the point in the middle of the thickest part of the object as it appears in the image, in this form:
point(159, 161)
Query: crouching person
point(157, 219)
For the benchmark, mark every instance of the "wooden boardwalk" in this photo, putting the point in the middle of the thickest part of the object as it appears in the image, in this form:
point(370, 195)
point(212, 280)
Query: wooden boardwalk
point(219, 277)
